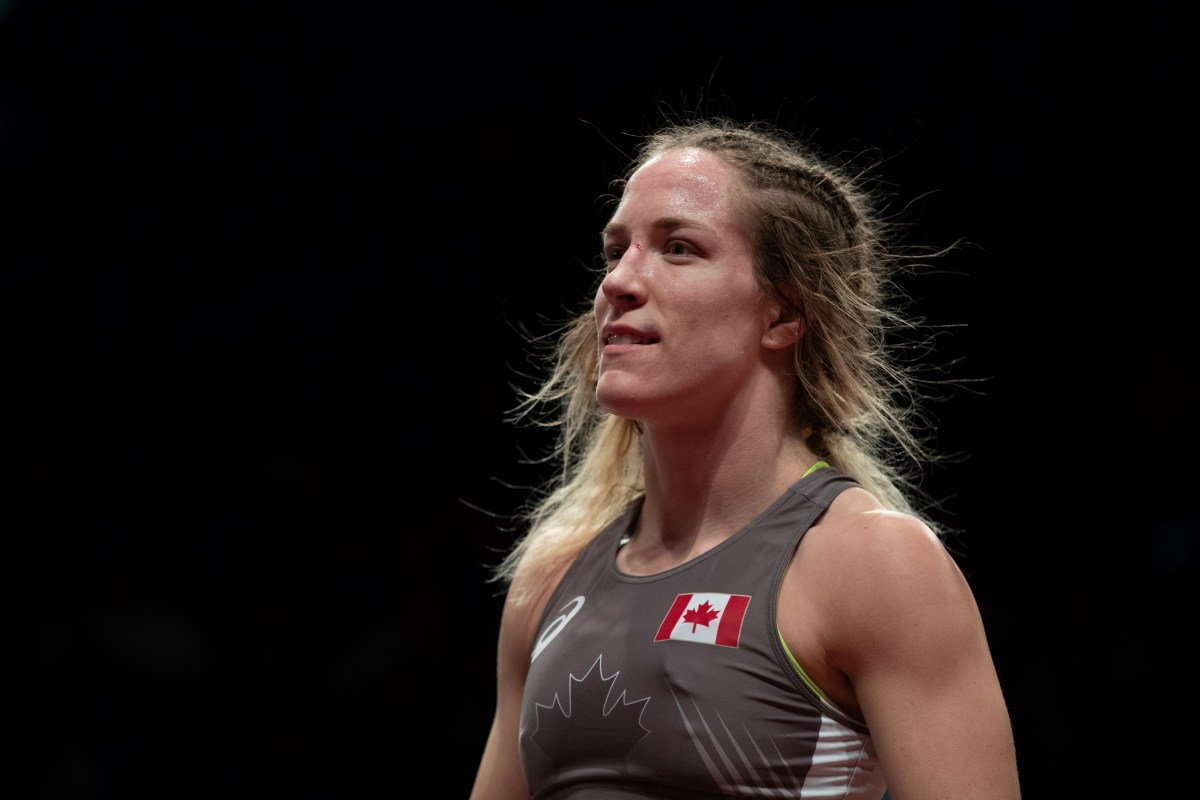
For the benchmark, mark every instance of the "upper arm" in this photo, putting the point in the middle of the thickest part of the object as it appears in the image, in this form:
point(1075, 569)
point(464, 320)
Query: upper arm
point(500, 775)
point(909, 638)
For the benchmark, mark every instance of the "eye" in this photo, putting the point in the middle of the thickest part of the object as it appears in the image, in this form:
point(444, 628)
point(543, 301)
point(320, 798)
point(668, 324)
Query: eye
point(678, 247)
point(612, 254)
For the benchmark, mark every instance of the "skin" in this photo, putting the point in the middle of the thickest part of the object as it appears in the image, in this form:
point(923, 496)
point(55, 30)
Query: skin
point(873, 607)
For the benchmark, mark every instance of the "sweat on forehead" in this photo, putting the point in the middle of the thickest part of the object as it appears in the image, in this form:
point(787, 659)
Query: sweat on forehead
point(682, 183)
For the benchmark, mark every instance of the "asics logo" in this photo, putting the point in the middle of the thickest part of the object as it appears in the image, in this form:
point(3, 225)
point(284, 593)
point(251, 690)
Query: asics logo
point(556, 625)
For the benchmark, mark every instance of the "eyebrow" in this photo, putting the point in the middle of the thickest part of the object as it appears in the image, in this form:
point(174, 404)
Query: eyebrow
point(660, 224)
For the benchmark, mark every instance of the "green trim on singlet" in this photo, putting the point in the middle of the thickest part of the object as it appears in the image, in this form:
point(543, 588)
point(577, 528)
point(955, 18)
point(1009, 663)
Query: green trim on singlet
point(792, 659)
point(814, 468)
point(804, 675)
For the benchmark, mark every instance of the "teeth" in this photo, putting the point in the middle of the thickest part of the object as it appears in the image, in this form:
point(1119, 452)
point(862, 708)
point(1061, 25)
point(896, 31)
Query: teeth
point(622, 338)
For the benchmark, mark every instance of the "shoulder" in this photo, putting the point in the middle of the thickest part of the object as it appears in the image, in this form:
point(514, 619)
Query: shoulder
point(873, 547)
point(885, 618)
point(533, 583)
point(870, 581)
point(867, 540)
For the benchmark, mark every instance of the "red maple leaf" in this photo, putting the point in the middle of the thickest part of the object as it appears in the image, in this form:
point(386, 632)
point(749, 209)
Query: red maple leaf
point(701, 615)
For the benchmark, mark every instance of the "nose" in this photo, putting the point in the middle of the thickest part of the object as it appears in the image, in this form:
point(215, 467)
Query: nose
point(625, 282)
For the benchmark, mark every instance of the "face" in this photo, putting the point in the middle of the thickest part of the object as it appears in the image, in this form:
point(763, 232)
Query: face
point(680, 317)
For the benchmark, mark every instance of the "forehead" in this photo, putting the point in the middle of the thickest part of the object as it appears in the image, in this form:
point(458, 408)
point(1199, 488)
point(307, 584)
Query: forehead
point(686, 182)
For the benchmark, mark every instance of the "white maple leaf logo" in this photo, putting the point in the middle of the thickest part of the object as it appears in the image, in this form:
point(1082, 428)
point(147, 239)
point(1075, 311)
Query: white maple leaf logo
point(593, 718)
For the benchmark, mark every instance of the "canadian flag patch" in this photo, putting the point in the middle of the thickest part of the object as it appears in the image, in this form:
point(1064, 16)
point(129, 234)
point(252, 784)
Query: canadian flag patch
point(705, 617)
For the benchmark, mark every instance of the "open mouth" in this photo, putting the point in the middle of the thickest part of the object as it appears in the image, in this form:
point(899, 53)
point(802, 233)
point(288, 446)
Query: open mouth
point(627, 338)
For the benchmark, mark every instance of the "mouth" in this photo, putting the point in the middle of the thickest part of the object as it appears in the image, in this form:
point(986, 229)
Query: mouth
point(628, 338)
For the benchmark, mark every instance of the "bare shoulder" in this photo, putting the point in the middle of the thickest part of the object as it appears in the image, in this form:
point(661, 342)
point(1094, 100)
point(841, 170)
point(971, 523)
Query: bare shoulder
point(878, 614)
point(868, 581)
point(876, 551)
point(499, 773)
point(525, 603)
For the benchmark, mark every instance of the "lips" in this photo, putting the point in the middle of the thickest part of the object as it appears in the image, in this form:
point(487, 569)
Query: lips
point(628, 338)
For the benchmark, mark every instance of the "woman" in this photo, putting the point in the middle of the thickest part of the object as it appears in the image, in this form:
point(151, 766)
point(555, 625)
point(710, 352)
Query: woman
point(728, 591)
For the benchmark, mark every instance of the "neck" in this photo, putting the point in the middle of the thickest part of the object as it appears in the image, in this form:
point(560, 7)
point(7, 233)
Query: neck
point(702, 487)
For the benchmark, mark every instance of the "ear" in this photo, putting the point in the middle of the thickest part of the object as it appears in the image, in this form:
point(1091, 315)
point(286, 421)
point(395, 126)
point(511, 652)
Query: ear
point(784, 327)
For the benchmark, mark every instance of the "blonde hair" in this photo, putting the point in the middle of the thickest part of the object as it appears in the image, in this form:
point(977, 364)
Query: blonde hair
point(824, 248)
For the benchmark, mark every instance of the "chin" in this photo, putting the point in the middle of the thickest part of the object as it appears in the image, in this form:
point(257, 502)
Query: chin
point(621, 403)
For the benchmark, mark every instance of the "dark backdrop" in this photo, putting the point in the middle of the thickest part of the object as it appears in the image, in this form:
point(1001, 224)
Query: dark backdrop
point(265, 267)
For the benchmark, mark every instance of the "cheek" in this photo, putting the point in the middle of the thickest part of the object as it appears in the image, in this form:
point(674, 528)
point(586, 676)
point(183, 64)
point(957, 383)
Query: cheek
point(727, 323)
point(721, 307)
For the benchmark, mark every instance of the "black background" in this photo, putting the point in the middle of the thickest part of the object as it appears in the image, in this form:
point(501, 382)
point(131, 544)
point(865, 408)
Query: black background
point(264, 271)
